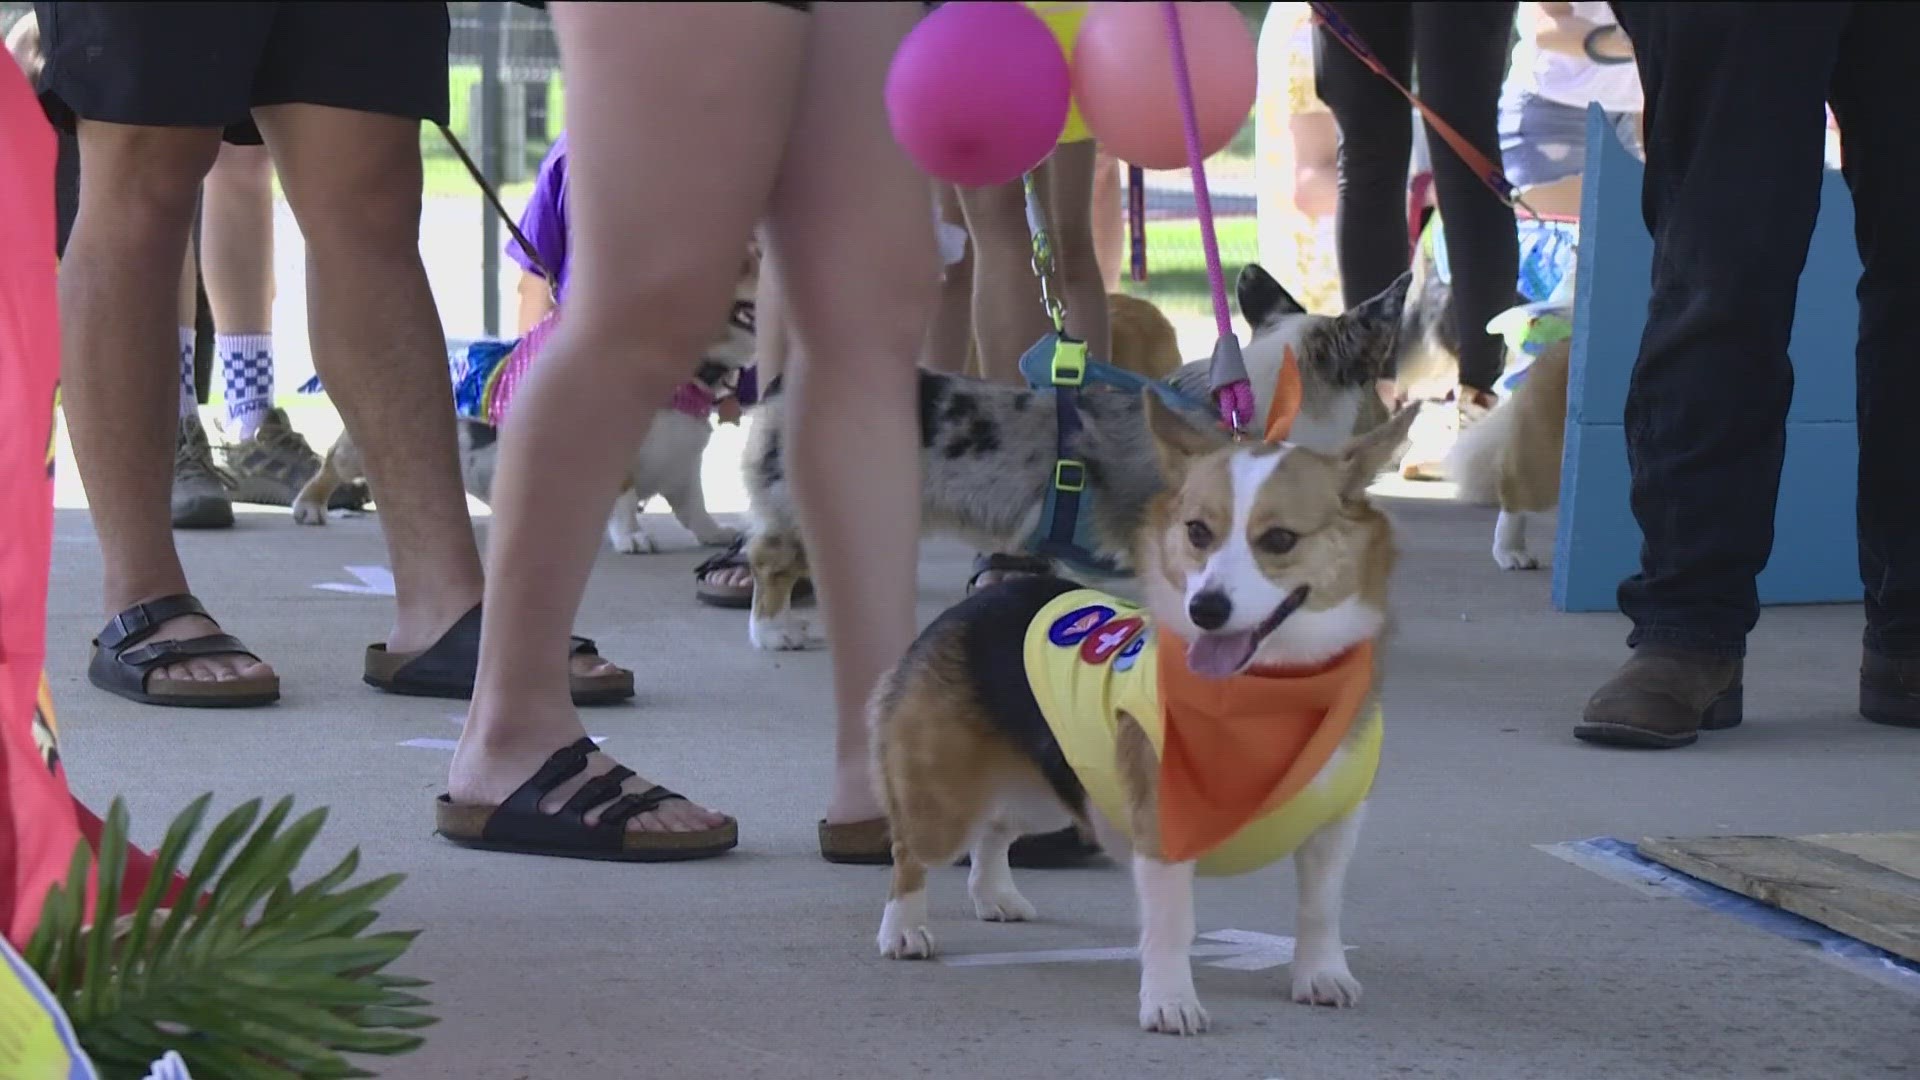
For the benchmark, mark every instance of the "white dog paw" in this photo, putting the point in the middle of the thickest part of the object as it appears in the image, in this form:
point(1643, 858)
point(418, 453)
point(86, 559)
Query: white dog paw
point(903, 930)
point(1325, 984)
point(783, 633)
point(1175, 1014)
point(718, 536)
point(635, 543)
point(1003, 905)
point(1515, 559)
point(306, 513)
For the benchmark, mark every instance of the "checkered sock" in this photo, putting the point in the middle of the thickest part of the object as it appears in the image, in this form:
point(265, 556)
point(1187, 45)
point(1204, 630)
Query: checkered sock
point(246, 364)
point(189, 400)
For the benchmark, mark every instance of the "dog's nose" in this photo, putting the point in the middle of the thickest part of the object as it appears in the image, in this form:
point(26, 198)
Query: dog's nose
point(1210, 610)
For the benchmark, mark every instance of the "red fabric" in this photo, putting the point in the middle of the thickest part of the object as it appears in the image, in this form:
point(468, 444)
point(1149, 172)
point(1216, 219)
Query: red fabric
point(40, 822)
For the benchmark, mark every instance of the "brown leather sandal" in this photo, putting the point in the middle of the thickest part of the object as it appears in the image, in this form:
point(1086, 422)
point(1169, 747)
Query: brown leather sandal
point(870, 843)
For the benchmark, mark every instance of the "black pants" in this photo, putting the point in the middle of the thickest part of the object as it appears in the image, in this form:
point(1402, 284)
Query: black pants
point(1460, 50)
point(1735, 138)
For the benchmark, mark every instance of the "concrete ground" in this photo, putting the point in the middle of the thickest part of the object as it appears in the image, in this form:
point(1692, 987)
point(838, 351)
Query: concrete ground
point(1482, 956)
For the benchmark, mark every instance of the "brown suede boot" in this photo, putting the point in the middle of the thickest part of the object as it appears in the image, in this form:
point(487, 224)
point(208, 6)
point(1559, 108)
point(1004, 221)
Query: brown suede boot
point(1890, 690)
point(1663, 700)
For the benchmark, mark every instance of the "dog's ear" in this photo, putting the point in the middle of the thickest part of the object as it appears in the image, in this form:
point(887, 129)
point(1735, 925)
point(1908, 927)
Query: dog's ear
point(1176, 439)
point(1366, 456)
point(1262, 299)
point(1384, 309)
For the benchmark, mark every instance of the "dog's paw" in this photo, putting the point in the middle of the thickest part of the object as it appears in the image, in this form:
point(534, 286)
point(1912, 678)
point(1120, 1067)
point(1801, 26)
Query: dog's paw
point(783, 633)
point(1003, 905)
point(1515, 559)
point(1173, 1014)
point(719, 536)
point(637, 542)
point(1325, 984)
point(903, 930)
point(309, 512)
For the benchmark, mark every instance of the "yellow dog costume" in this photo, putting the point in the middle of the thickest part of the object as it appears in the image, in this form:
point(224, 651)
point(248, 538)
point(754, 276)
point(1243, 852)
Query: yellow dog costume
point(1064, 20)
point(1238, 756)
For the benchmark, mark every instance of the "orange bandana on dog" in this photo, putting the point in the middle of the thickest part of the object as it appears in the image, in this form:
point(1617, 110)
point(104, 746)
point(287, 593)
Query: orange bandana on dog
point(1236, 749)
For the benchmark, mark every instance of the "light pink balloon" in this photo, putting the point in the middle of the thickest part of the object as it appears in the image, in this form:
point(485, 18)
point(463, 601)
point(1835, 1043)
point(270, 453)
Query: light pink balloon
point(1123, 79)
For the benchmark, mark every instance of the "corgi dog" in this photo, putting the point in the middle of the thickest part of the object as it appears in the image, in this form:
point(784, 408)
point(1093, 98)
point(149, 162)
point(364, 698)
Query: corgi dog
point(1511, 458)
point(1229, 721)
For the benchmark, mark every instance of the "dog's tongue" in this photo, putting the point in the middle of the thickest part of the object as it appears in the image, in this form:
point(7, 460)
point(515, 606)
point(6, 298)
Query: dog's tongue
point(1217, 656)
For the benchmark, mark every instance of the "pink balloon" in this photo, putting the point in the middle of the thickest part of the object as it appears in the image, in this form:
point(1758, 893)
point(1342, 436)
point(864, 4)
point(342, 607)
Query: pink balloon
point(1123, 79)
point(978, 92)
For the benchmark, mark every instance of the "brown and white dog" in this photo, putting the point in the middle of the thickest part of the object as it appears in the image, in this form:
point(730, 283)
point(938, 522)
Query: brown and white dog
point(1257, 562)
point(1511, 458)
point(667, 463)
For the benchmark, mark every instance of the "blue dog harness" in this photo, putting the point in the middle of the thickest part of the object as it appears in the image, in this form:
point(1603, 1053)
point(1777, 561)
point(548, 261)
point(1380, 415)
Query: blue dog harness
point(1059, 363)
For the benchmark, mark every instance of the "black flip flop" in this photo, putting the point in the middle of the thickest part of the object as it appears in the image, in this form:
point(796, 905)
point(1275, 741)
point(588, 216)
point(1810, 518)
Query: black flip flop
point(735, 597)
point(520, 826)
point(446, 669)
point(121, 665)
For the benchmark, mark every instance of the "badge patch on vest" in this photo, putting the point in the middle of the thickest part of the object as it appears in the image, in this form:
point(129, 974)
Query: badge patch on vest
point(1107, 639)
point(1130, 655)
point(1072, 628)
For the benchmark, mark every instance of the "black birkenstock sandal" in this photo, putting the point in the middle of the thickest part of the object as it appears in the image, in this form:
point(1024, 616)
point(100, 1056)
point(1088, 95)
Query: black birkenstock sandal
point(734, 596)
point(520, 826)
point(1008, 565)
point(122, 665)
point(446, 669)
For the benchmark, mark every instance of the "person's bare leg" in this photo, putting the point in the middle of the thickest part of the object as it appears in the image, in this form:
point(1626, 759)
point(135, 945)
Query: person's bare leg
point(187, 297)
point(851, 229)
point(951, 332)
point(353, 181)
point(664, 201)
point(1068, 187)
point(187, 306)
point(1109, 221)
point(236, 240)
point(1007, 316)
point(120, 368)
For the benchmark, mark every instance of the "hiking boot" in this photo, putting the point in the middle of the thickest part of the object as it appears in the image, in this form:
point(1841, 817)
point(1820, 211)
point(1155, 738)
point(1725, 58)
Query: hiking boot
point(1663, 700)
point(1890, 690)
point(271, 467)
point(201, 490)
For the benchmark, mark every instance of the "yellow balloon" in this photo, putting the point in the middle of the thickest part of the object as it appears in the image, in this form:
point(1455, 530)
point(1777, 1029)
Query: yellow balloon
point(1064, 20)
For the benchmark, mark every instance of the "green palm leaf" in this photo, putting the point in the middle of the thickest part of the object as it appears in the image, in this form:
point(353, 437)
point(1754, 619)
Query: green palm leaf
point(260, 980)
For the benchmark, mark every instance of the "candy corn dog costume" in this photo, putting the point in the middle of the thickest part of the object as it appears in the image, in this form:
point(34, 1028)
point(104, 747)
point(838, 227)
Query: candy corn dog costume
point(1239, 757)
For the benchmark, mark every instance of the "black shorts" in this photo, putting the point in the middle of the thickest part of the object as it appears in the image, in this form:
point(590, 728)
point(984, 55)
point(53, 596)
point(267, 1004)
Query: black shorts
point(178, 64)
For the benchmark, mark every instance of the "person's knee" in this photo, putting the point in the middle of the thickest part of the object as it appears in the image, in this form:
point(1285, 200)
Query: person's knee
point(145, 181)
point(658, 313)
point(362, 204)
point(242, 172)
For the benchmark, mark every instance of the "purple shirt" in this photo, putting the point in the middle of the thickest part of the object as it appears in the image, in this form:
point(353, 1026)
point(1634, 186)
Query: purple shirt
point(545, 218)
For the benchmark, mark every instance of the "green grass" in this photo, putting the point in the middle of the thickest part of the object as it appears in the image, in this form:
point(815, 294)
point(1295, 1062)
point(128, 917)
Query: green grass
point(1177, 263)
point(445, 176)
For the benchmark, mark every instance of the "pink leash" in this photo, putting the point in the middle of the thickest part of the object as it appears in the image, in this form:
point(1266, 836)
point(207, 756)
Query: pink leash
point(1227, 373)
